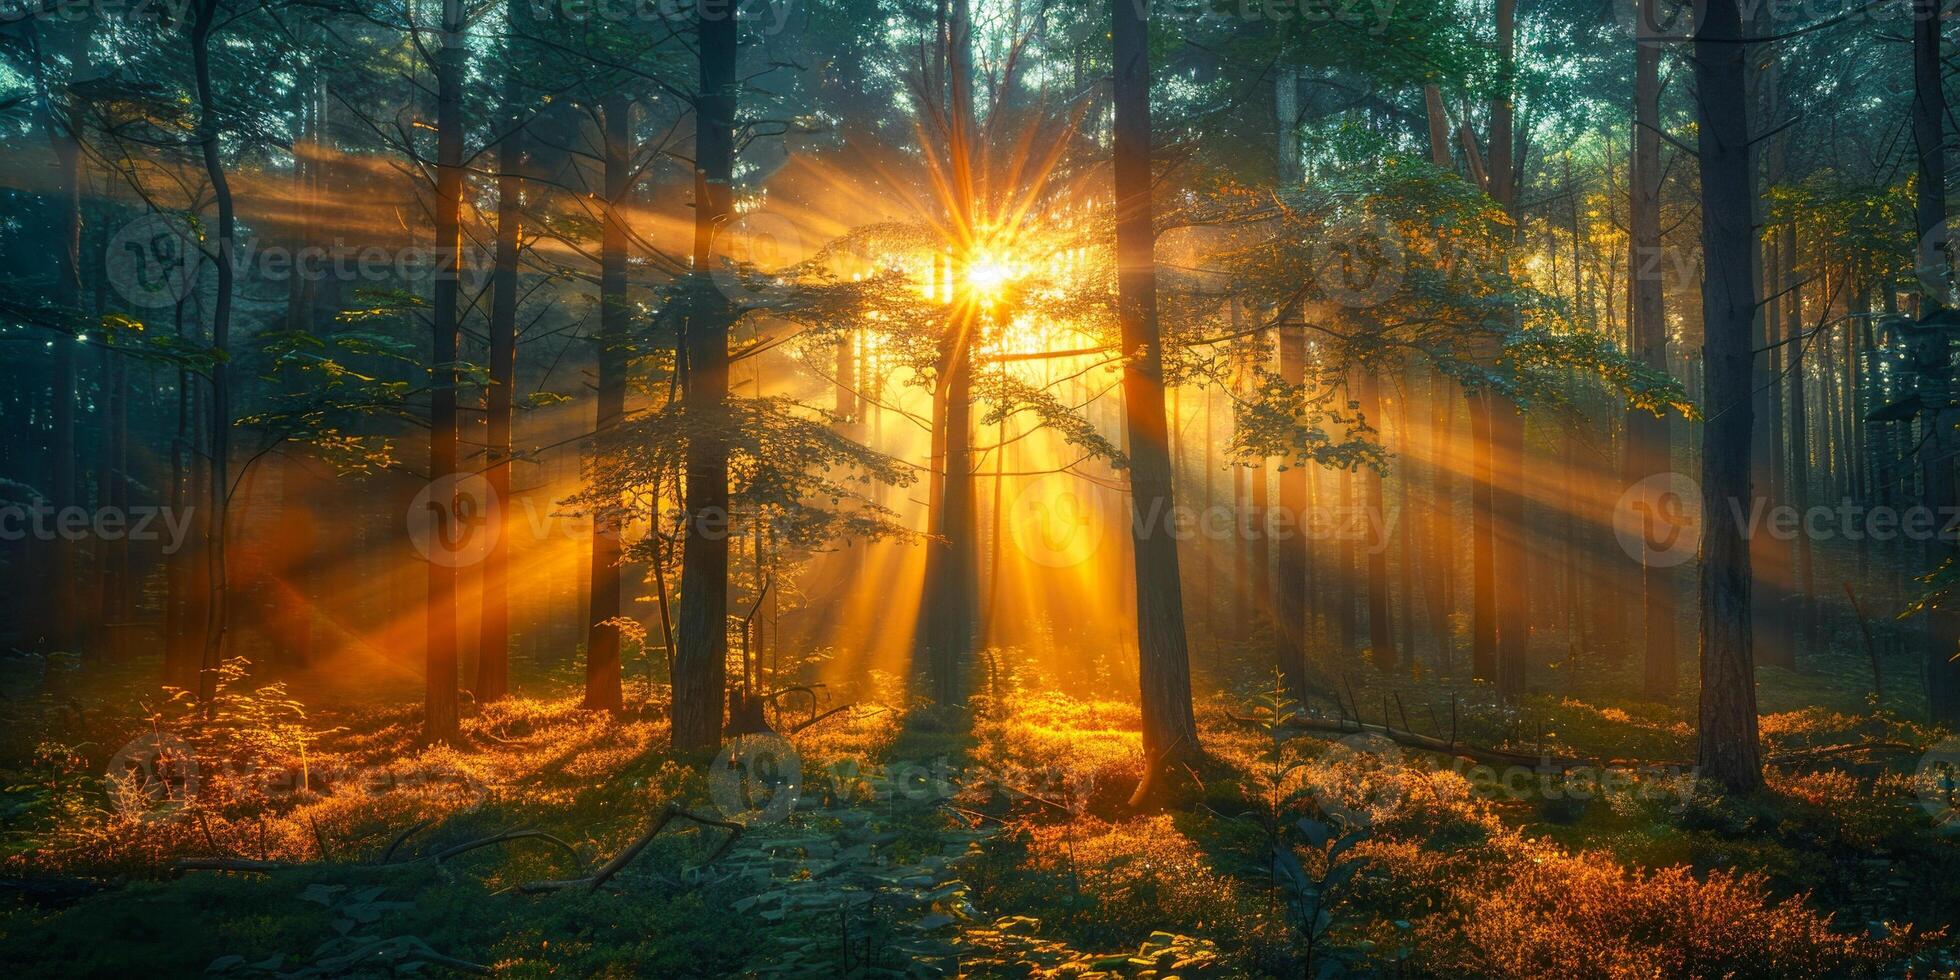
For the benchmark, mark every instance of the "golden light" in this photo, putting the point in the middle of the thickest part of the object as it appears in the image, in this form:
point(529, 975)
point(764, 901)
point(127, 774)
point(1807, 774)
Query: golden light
point(987, 276)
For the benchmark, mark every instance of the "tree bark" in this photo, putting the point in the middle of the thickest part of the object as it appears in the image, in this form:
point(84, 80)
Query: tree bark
point(700, 665)
point(1381, 634)
point(493, 623)
point(440, 720)
point(1648, 435)
point(602, 669)
point(1730, 752)
point(1936, 456)
point(1508, 544)
point(203, 22)
point(1289, 582)
point(1169, 732)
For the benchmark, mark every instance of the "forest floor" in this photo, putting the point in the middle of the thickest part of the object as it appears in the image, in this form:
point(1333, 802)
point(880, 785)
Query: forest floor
point(1000, 842)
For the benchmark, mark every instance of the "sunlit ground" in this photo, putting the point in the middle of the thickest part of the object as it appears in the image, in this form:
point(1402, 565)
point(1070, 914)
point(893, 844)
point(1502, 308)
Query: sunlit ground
point(1009, 851)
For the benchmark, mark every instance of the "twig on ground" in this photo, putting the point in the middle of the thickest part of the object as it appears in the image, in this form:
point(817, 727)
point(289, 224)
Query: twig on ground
point(625, 857)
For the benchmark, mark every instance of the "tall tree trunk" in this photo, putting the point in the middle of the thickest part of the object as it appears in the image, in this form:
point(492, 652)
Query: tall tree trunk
point(602, 670)
point(64, 618)
point(1798, 426)
point(1483, 577)
point(1289, 583)
point(1441, 576)
point(1508, 544)
point(700, 665)
point(440, 720)
point(1648, 435)
point(949, 603)
point(1164, 670)
point(1381, 634)
point(1730, 752)
point(204, 20)
point(1936, 467)
point(493, 623)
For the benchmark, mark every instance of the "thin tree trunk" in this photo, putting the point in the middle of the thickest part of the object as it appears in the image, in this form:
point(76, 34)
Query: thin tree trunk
point(602, 669)
point(202, 24)
point(1381, 634)
point(1289, 581)
point(493, 624)
point(1648, 435)
point(1508, 544)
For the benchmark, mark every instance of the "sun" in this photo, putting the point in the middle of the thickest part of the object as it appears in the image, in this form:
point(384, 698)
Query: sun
point(988, 276)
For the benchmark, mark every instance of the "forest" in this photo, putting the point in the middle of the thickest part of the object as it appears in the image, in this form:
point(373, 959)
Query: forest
point(979, 488)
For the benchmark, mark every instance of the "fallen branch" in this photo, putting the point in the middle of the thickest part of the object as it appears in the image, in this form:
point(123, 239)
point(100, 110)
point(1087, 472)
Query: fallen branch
point(625, 857)
point(1500, 757)
point(1800, 756)
point(450, 852)
point(817, 718)
point(407, 832)
point(231, 864)
point(266, 867)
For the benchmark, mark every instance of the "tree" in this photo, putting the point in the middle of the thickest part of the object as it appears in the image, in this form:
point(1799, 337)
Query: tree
point(700, 663)
point(493, 644)
point(1936, 456)
point(440, 721)
point(1647, 450)
point(1169, 732)
point(602, 690)
point(1730, 752)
